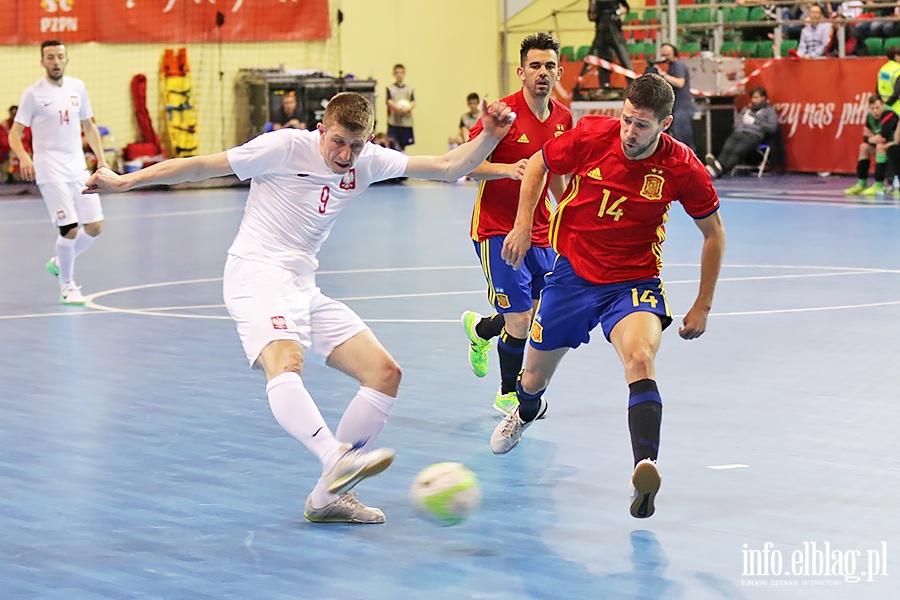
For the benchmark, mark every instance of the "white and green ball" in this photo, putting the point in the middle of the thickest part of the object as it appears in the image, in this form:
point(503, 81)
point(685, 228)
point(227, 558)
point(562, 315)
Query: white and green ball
point(446, 492)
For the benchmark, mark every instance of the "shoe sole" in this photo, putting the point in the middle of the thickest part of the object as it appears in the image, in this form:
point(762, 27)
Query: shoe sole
point(52, 268)
point(646, 482)
point(340, 520)
point(79, 303)
point(347, 482)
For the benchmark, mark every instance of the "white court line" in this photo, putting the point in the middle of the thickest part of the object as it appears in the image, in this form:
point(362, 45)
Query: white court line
point(114, 219)
point(732, 466)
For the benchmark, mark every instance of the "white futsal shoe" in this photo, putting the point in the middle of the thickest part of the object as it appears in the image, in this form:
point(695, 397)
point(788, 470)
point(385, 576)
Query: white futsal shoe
point(355, 465)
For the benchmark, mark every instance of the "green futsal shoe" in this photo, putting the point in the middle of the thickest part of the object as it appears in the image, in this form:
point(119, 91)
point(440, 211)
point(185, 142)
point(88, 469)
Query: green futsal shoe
point(856, 189)
point(52, 267)
point(875, 189)
point(504, 403)
point(478, 346)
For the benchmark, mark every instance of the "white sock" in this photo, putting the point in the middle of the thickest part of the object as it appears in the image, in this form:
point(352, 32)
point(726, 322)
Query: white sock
point(83, 241)
point(65, 258)
point(297, 413)
point(365, 417)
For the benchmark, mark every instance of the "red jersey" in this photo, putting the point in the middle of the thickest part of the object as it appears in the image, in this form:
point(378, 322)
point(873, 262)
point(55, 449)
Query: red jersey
point(498, 199)
point(611, 221)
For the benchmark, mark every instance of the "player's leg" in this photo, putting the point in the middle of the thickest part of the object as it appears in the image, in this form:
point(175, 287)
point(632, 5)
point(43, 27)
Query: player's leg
point(270, 307)
point(866, 150)
point(90, 214)
point(61, 206)
point(639, 318)
point(881, 164)
point(480, 329)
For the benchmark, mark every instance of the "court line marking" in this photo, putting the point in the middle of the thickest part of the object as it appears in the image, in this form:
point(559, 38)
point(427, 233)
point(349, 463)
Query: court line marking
point(204, 211)
point(94, 307)
point(731, 466)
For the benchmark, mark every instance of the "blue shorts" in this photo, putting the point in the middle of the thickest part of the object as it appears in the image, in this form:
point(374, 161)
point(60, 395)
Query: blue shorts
point(571, 307)
point(509, 290)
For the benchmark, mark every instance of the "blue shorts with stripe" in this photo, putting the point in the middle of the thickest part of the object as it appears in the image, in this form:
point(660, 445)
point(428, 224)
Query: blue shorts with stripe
point(571, 307)
point(513, 290)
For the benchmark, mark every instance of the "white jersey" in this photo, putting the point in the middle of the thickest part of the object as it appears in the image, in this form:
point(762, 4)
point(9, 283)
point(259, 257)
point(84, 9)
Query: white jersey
point(54, 114)
point(294, 196)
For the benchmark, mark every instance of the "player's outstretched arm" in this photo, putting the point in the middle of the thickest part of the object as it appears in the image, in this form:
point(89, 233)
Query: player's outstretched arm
point(496, 119)
point(518, 241)
point(488, 171)
point(175, 170)
point(710, 265)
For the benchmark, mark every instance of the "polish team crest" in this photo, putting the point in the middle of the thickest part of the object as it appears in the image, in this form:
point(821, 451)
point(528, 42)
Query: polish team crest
point(279, 323)
point(653, 185)
point(74, 100)
point(349, 180)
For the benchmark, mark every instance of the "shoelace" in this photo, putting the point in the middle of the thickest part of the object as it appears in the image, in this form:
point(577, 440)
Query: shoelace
point(510, 422)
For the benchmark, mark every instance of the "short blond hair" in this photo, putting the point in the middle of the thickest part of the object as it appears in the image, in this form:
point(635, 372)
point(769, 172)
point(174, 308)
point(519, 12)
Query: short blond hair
point(351, 111)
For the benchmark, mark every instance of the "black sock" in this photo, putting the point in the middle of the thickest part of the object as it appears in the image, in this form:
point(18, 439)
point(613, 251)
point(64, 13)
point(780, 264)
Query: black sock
point(880, 171)
point(490, 327)
point(511, 351)
point(644, 419)
point(862, 169)
point(529, 404)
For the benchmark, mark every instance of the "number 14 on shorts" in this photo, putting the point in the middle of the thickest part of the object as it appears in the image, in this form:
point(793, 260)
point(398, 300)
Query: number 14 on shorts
point(647, 297)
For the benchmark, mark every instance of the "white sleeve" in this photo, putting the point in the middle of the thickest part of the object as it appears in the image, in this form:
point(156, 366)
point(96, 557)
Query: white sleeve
point(263, 154)
point(86, 111)
point(387, 163)
point(26, 108)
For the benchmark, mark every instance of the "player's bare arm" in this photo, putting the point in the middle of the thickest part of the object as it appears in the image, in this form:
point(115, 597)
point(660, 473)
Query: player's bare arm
point(26, 166)
point(488, 171)
point(175, 170)
point(694, 323)
point(518, 241)
point(496, 119)
point(95, 141)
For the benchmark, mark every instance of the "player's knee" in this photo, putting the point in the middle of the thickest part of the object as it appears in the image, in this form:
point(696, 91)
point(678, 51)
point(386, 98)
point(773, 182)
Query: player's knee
point(517, 324)
point(69, 230)
point(532, 382)
point(278, 358)
point(639, 361)
point(386, 377)
point(93, 229)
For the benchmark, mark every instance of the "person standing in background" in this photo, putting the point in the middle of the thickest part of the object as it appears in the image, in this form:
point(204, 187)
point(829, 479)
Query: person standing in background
point(466, 121)
point(401, 100)
point(679, 77)
point(609, 41)
point(57, 109)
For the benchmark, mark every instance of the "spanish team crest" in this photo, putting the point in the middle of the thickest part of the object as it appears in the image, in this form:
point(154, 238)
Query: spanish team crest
point(653, 185)
point(537, 332)
point(503, 301)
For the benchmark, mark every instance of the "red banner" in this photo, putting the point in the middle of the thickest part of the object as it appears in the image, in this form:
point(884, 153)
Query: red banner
point(165, 21)
point(822, 106)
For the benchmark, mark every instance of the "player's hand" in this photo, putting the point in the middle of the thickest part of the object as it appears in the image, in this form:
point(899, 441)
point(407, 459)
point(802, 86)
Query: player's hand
point(694, 323)
point(496, 118)
point(515, 246)
point(517, 171)
point(26, 169)
point(104, 179)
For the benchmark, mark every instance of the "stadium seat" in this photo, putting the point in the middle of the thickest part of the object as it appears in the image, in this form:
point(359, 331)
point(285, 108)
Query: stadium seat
point(764, 49)
point(891, 41)
point(582, 52)
point(788, 45)
point(684, 16)
point(702, 15)
point(689, 49)
point(747, 49)
point(875, 46)
point(757, 13)
point(737, 14)
point(729, 49)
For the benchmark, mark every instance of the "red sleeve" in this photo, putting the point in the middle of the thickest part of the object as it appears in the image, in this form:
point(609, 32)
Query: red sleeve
point(476, 129)
point(561, 153)
point(697, 194)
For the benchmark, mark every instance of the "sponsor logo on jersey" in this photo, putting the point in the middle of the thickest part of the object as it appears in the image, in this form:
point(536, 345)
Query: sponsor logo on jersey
point(503, 301)
point(537, 332)
point(349, 180)
point(279, 323)
point(653, 185)
point(559, 130)
point(595, 174)
point(523, 139)
point(302, 174)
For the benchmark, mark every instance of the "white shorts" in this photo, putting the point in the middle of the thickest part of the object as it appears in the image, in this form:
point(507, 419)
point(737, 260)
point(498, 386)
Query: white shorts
point(270, 303)
point(66, 204)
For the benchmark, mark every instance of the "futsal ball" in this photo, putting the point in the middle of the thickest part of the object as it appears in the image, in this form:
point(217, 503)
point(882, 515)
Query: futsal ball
point(446, 492)
point(404, 104)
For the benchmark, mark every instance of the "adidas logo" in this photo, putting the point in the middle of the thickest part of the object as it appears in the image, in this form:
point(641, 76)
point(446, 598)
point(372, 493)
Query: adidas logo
point(595, 174)
point(523, 139)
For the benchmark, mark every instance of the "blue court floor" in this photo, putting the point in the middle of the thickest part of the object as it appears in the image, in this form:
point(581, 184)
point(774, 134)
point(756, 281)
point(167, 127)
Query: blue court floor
point(140, 459)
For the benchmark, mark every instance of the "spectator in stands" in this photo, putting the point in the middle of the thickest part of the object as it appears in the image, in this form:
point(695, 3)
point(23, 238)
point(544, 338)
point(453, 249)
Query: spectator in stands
point(879, 140)
point(816, 36)
point(883, 29)
point(609, 41)
point(10, 167)
point(678, 76)
point(793, 13)
point(888, 87)
point(752, 127)
point(466, 121)
point(760, 32)
point(289, 115)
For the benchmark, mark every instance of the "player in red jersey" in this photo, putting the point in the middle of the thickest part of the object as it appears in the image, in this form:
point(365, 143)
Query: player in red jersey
point(608, 230)
point(514, 292)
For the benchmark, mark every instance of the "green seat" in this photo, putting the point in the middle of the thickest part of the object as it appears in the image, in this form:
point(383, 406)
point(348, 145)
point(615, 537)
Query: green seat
point(632, 16)
point(703, 15)
point(684, 16)
point(757, 13)
point(891, 41)
point(567, 53)
point(737, 14)
point(729, 49)
point(690, 49)
point(582, 52)
point(747, 48)
point(875, 46)
point(650, 16)
point(788, 45)
point(764, 50)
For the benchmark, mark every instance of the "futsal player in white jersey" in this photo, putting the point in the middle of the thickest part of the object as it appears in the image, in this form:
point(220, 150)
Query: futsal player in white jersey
point(57, 108)
point(299, 182)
